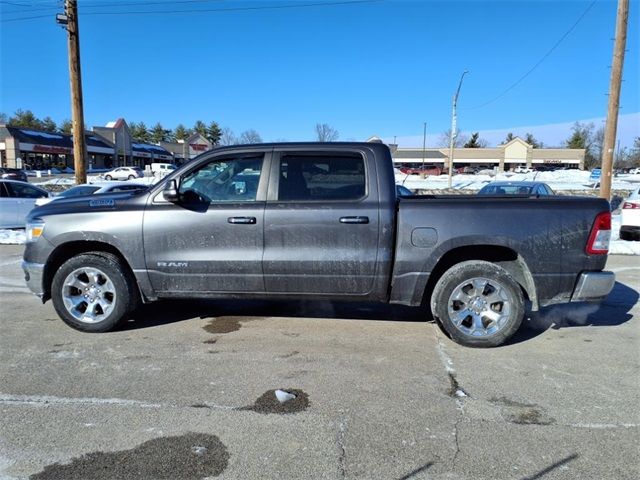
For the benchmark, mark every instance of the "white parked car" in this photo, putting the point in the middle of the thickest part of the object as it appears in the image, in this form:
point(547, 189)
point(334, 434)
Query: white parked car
point(124, 173)
point(522, 169)
point(16, 201)
point(94, 189)
point(630, 217)
point(635, 171)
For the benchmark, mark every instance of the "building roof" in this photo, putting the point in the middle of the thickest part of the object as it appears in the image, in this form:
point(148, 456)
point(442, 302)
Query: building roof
point(416, 154)
point(38, 137)
point(149, 149)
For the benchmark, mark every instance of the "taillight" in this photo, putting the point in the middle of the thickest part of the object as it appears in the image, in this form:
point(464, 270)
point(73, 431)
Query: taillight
point(600, 235)
point(630, 205)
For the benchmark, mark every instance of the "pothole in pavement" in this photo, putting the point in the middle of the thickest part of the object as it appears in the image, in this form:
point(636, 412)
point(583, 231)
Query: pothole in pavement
point(226, 324)
point(269, 403)
point(192, 456)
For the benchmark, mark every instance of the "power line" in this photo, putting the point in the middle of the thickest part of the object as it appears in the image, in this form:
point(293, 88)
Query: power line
point(538, 63)
point(103, 5)
point(209, 10)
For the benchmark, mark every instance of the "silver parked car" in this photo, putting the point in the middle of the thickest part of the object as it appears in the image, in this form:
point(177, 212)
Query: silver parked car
point(124, 173)
point(17, 199)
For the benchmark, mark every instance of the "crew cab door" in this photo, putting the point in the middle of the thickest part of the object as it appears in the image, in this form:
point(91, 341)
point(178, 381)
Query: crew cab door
point(211, 239)
point(321, 223)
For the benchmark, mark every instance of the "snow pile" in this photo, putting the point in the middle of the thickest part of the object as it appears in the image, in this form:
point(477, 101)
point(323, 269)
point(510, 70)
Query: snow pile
point(621, 247)
point(12, 237)
point(57, 181)
point(557, 180)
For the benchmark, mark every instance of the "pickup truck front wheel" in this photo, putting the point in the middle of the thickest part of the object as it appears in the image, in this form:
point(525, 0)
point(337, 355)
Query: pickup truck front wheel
point(93, 292)
point(478, 303)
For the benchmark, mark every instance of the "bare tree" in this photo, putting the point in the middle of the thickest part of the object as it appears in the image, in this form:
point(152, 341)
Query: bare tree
point(227, 137)
point(326, 133)
point(460, 139)
point(250, 136)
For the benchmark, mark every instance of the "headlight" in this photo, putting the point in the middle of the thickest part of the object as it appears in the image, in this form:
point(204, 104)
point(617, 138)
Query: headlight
point(34, 230)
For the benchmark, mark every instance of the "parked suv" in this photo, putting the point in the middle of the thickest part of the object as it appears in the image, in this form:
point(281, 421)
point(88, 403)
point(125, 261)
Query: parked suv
point(428, 169)
point(124, 173)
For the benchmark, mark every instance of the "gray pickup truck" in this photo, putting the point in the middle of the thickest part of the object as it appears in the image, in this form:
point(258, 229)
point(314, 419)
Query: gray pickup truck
point(316, 220)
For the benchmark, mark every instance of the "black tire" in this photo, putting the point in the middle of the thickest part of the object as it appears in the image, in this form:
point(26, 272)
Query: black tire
point(108, 177)
point(102, 295)
point(625, 235)
point(473, 318)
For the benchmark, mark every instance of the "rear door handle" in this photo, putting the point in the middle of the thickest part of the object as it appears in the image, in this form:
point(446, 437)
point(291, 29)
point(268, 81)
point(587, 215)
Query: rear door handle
point(354, 219)
point(242, 220)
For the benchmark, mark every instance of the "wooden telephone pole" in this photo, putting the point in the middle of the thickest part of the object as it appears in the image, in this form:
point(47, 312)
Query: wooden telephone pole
point(77, 115)
point(614, 98)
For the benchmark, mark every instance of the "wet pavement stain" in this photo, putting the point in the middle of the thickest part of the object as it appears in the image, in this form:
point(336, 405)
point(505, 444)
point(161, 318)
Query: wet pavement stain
point(268, 403)
point(226, 324)
point(192, 456)
point(522, 413)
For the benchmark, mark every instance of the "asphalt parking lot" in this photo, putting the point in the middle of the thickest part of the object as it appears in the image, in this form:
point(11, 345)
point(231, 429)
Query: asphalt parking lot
point(185, 392)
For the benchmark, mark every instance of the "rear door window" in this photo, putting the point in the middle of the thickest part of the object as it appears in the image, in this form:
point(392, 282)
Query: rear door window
point(321, 177)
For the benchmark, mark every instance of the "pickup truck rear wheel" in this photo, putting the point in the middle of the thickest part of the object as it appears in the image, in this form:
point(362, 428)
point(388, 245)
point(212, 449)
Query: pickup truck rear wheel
point(93, 292)
point(478, 303)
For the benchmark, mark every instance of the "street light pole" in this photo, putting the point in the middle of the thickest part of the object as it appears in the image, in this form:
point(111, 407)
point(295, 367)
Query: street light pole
point(454, 122)
point(424, 144)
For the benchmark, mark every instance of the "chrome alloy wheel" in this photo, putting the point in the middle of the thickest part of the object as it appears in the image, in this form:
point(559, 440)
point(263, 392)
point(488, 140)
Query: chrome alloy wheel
point(479, 306)
point(88, 295)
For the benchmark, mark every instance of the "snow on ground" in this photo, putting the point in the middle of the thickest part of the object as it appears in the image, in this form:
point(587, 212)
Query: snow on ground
point(12, 237)
point(557, 180)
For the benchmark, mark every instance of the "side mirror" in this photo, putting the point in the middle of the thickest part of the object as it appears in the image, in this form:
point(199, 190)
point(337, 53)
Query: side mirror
point(170, 192)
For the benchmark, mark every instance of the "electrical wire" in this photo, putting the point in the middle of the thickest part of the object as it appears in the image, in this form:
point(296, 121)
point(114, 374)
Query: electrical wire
point(537, 64)
point(209, 10)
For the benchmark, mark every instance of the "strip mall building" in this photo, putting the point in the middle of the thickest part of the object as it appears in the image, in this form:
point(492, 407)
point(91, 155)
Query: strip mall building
point(107, 147)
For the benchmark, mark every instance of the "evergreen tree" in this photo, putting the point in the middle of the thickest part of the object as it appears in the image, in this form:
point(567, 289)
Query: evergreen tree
point(214, 133)
point(181, 133)
point(200, 128)
point(531, 140)
point(140, 132)
point(508, 138)
point(66, 127)
point(582, 138)
point(159, 133)
point(48, 125)
point(475, 141)
point(25, 119)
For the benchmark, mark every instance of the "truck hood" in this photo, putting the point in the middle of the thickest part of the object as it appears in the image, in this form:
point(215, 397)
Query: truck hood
point(91, 203)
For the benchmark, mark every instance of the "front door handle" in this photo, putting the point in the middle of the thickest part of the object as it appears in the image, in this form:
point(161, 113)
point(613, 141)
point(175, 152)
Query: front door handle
point(354, 219)
point(242, 220)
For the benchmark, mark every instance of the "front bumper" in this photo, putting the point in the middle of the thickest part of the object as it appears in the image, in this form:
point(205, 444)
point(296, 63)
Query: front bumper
point(593, 286)
point(33, 273)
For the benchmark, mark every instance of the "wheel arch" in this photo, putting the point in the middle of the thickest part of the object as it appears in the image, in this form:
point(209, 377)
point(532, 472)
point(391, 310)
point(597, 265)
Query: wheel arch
point(67, 250)
point(502, 256)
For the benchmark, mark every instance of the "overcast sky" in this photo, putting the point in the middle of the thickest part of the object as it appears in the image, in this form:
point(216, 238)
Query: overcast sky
point(366, 68)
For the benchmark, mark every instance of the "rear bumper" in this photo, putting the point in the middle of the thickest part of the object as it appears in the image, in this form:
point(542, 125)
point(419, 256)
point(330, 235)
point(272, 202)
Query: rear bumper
point(593, 286)
point(33, 273)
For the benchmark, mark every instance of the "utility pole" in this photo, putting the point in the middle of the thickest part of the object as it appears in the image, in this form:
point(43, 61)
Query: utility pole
point(614, 98)
point(454, 124)
point(424, 143)
point(70, 19)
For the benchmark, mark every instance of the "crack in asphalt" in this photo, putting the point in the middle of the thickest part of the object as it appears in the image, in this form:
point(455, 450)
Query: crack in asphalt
point(342, 452)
